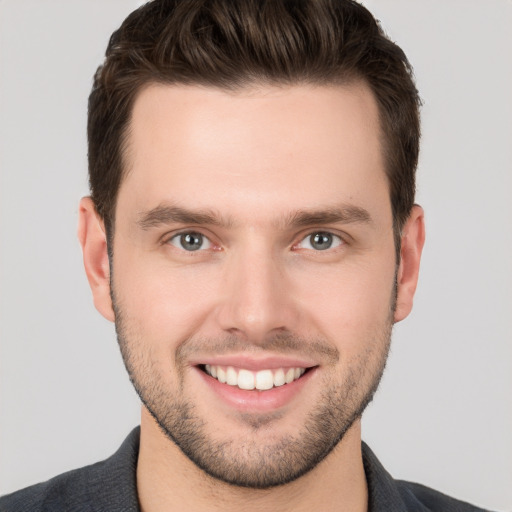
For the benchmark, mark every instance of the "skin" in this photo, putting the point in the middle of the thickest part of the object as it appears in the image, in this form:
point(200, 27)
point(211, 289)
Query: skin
point(253, 159)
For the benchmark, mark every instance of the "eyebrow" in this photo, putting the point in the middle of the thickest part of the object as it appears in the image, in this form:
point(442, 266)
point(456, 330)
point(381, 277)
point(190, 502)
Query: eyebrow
point(345, 214)
point(169, 214)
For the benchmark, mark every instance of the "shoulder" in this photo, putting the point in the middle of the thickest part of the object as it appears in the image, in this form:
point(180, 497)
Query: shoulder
point(420, 497)
point(385, 493)
point(110, 484)
point(63, 492)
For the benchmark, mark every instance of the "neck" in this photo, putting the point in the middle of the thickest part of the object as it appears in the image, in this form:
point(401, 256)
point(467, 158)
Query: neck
point(167, 479)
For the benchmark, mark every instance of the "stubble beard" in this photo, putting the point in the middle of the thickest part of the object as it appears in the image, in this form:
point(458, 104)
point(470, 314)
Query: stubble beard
point(252, 463)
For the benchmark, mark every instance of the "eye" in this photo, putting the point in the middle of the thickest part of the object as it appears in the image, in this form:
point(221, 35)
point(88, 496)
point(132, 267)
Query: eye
point(320, 241)
point(190, 241)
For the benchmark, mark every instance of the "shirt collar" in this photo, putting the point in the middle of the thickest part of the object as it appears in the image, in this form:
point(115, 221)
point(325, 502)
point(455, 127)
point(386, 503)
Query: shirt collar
point(383, 492)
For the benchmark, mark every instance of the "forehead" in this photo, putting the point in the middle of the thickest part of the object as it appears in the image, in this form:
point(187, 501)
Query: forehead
point(268, 145)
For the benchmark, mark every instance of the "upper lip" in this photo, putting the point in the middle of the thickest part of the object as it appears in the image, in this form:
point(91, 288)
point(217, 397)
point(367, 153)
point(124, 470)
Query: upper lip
point(250, 362)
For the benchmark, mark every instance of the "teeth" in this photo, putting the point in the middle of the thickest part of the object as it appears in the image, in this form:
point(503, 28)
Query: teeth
point(248, 380)
point(290, 376)
point(245, 380)
point(231, 376)
point(221, 375)
point(264, 379)
point(279, 379)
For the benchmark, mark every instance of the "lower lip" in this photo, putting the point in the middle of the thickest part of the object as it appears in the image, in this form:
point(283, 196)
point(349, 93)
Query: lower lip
point(255, 400)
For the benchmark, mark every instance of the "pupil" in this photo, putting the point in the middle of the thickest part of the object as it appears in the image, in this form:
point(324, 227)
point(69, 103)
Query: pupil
point(191, 241)
point(321, 241)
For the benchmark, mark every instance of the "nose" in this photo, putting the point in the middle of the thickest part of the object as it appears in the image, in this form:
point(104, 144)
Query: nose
point(258, 298)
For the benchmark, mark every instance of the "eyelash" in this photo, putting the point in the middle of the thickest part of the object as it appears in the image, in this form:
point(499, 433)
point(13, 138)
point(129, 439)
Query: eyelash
point(335, 238)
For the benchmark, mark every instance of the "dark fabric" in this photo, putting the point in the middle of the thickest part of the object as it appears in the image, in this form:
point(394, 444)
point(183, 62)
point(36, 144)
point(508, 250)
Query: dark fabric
point(387, 494)
point(110, 486)
point(107, 486)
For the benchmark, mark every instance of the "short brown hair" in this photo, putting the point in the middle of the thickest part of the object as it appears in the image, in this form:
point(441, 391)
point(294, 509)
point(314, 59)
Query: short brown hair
point(236, 43)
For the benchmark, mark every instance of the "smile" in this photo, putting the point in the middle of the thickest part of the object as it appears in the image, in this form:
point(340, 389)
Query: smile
point(248, 380)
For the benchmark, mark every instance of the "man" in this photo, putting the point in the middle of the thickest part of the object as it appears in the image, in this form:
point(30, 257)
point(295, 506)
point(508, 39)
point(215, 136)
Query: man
point(252, 232)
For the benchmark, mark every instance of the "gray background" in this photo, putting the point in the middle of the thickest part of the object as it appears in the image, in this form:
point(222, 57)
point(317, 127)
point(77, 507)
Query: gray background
point(443, 415)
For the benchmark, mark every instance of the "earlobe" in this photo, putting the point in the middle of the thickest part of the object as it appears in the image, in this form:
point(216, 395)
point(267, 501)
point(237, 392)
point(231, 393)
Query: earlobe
point(413, 238)
point(92, 237)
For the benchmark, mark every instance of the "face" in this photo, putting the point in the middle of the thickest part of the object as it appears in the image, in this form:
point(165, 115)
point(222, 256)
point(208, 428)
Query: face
point(254, 278)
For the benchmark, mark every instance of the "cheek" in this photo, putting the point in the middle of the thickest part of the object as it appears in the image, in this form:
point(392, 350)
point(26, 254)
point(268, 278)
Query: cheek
point(163, 303)
point(351, 305)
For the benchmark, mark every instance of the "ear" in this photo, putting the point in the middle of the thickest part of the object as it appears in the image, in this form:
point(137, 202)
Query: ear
point(93, 239)
point(413, 238)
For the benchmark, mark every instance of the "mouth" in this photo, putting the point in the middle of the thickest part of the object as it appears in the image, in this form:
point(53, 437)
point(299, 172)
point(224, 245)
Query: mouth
point(248, 380)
